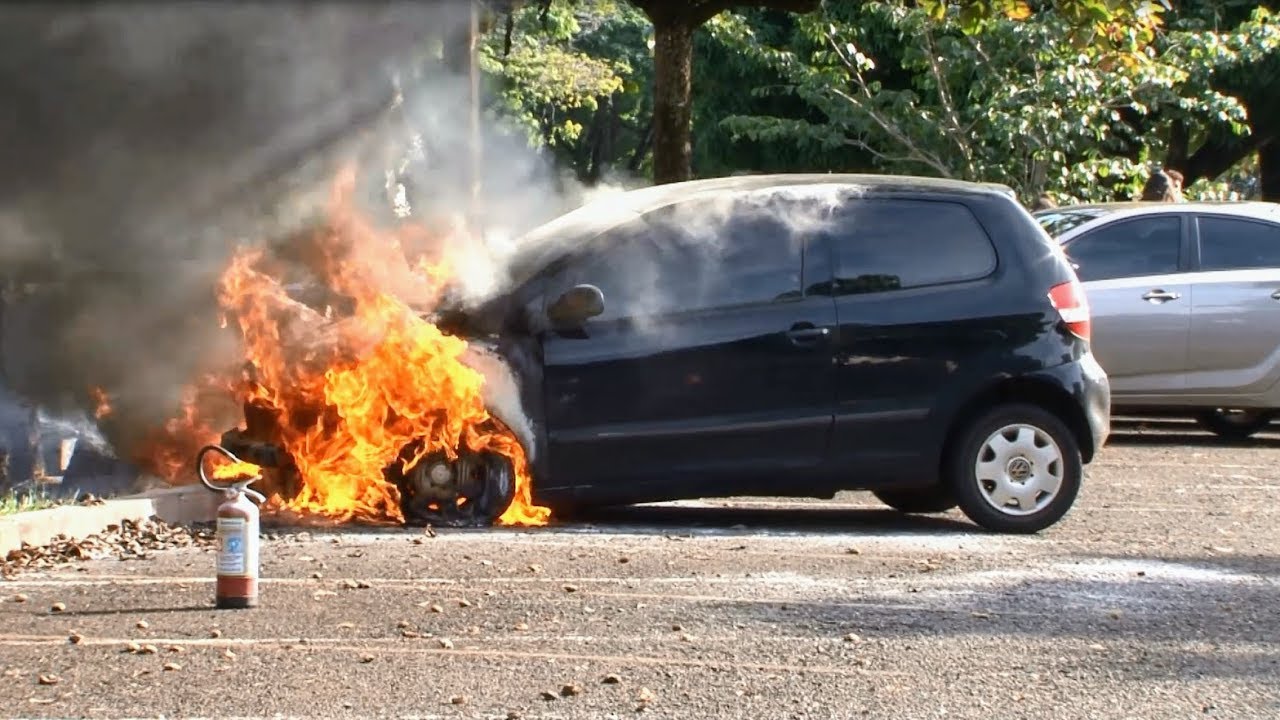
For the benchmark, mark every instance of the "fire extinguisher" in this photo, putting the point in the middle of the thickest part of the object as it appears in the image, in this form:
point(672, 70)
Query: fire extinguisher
point(237, 533)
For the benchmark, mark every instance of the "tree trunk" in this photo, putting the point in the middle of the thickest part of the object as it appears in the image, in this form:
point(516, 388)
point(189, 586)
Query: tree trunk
point(1269, 170)
point(672, 103)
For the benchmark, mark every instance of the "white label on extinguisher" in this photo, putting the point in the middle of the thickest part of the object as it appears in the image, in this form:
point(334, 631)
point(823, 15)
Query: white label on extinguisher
point(233, 546)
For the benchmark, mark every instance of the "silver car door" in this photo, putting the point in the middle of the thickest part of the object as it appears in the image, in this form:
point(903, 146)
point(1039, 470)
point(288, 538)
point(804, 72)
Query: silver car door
point(1139, 299)
point(1235, 311)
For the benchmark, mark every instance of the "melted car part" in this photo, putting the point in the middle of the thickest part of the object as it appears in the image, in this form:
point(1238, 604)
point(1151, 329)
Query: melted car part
point(471, 490)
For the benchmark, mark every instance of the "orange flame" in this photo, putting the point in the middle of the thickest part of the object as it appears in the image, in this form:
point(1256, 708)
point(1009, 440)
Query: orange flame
point(347, 396)
point(102, 402)
point(235, 471)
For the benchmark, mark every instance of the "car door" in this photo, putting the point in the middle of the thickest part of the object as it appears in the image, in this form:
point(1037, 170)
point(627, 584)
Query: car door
point(908, 281)
point(1140, 300)
point(1235, 310)
point(710, 364)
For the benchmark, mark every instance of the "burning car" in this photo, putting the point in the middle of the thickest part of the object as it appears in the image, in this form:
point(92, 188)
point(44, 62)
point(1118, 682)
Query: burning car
point(769, 335)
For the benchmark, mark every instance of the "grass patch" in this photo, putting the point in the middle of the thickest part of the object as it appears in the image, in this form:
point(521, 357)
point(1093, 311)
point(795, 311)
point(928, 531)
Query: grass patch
point(12, 502)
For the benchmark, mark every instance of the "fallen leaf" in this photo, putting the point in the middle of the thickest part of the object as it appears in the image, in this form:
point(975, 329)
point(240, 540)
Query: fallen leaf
point(852, 551)
point(403, 624)
point(363, 584)
point(366, 658)
point(445, 643)
point(142, 625)
point(20, 598)
point(228, 654)
point(514, 715)
point(853, 637)
point(521, 626)
point(437, 608)
point(489, 593)
point(75, 638)
point(316, 576)
point(535, 568)
point(149, 650)
point(133, 647)
point(571, 588)
point(49, 679)
point(1114, 614)
point(215, 633)
point(646, 695)
point(486, 563)
point(458, 699)
point(176, 649)
point(686, 637)
point(172, 667)
point(571, 690)
point(677, 628)
point(349, 584)
point(58, 607)
point(410, 634)
point(548, 695)
point(980, 615)
point(346, 626)
point(464, 603)
point(610, 680)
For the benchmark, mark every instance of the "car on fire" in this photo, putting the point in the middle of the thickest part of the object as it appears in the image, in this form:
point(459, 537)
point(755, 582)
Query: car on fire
point(1184, 298)
point(792, 335)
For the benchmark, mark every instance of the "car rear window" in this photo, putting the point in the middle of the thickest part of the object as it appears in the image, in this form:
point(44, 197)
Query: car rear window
point(895, 244)
point(1232, 244)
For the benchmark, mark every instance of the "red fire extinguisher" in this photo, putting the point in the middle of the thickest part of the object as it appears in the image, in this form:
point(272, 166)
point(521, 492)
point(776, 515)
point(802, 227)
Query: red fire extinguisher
point(237, 533)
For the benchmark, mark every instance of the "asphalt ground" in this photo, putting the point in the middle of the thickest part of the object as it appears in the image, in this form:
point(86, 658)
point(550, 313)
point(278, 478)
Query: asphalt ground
point(1157, 597)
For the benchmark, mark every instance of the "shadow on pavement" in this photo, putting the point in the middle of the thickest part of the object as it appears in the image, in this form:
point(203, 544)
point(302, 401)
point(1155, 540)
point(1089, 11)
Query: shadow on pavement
point(739, 520)
point(1145, 617)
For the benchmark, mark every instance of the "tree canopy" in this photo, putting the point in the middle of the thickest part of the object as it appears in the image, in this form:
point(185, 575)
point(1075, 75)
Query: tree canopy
point(1077, 98)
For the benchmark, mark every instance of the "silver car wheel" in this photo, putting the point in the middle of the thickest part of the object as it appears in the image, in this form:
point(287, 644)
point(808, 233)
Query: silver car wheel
point(1019, 469)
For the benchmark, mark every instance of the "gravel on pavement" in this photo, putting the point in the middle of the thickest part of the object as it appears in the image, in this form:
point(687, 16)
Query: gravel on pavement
point(1157, 597)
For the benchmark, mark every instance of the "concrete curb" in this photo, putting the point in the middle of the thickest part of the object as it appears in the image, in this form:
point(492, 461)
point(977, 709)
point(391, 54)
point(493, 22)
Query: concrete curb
point(188, 504)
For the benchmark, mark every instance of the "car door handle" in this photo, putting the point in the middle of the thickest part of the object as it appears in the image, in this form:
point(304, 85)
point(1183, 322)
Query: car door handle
point(806, 333)
point(1275, 295)
point(1159, 296)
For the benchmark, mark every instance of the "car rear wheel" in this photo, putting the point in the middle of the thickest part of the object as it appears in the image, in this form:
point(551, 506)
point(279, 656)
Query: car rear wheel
point(1016, 469)
point(1235, 424)
point(926, 500)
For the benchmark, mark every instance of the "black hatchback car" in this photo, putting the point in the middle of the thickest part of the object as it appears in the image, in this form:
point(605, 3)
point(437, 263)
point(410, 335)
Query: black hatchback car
point(798, 335)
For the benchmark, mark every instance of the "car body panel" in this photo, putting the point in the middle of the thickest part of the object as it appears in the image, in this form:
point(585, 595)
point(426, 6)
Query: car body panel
point(799, 395)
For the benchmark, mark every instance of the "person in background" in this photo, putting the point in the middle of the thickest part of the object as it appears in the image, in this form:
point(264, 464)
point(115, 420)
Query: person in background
point(1162, 187)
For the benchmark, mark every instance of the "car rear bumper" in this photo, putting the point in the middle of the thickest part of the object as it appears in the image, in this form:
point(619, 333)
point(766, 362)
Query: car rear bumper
point(1096, 397)
point(1090, 388)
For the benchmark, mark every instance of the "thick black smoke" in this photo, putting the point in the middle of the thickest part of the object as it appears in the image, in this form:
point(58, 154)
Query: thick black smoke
point(138, 143)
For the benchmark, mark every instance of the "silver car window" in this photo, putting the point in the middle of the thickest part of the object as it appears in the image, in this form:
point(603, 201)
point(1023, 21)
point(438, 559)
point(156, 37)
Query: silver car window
point(1231, 244)
point(1128, 248)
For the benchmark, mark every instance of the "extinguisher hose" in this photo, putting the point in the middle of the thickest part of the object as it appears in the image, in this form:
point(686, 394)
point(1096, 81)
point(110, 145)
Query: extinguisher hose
point(204, 479)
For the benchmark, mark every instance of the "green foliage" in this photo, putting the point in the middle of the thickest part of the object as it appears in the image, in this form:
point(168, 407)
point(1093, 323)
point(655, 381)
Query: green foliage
point(565, 67)
point(543, 79)
point(1021, 102)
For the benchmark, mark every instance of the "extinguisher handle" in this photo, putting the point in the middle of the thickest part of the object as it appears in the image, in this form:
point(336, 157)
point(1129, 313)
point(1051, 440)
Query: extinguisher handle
point(240, 486)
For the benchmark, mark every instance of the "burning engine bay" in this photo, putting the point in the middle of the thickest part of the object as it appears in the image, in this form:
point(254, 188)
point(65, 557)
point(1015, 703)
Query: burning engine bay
point(357, 406)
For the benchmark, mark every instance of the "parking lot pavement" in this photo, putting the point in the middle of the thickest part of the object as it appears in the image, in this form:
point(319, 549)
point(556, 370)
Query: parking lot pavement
point(1157, 597)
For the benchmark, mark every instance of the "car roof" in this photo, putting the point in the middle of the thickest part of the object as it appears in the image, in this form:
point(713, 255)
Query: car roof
point(615, 208)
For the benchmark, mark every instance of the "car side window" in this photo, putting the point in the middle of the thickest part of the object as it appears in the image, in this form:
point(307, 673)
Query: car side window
point(1129, 248)
point(1231, 244)
point(687, 258)
point(896, 244)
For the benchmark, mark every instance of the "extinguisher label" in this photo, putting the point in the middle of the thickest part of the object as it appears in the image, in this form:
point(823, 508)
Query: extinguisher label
point(233, 550)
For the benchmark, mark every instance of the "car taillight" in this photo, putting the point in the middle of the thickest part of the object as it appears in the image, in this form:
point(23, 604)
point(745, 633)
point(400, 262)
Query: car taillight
point(1069, 300)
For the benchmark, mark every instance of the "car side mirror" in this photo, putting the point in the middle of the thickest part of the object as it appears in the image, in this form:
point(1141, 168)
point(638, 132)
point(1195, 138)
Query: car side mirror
point(577, 305)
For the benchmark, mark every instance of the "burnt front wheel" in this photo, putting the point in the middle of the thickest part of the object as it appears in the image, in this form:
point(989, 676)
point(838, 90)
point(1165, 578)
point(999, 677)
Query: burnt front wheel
point(1016, 469)
point(472, 490)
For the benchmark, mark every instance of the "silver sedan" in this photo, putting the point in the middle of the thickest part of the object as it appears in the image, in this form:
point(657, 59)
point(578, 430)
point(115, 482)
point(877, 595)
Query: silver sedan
point(1185, 300)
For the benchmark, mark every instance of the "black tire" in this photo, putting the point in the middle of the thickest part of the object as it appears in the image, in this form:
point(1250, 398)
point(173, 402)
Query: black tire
point(1240, 425)
point(969, 491)
point(924, 500)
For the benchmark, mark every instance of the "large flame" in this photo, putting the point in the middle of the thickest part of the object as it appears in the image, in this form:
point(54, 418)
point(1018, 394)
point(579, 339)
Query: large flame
point(345, 396)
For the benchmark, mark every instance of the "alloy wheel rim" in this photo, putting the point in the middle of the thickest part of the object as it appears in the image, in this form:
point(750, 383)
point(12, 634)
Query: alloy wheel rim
point(1019, 469)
